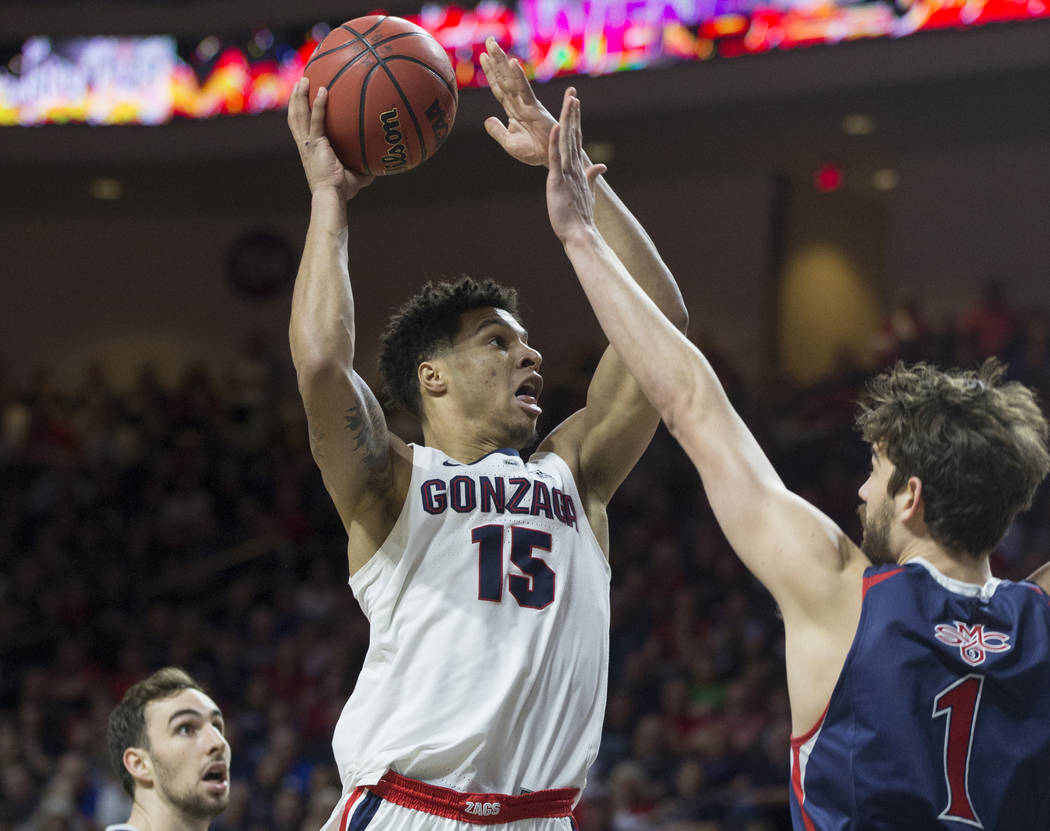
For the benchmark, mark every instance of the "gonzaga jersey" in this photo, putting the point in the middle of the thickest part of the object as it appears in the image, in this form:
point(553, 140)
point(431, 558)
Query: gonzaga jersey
point(488, 607)
point(941, 716)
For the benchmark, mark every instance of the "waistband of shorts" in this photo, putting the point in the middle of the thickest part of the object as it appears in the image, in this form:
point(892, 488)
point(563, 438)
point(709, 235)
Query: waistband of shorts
point(477, 808)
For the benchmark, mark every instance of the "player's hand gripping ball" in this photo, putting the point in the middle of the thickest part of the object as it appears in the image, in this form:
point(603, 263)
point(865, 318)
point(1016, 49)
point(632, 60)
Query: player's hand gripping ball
point(392, 93)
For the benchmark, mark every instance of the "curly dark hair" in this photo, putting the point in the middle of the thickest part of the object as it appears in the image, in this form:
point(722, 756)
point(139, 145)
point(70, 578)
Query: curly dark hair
point(427, 324)
point(977, 442)
point(127, 722)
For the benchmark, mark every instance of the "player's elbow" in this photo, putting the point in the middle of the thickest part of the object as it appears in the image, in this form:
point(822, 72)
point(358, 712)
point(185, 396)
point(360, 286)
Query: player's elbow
point(679, 409)
point(319, 352)
point(689, 399)
point(318, 375)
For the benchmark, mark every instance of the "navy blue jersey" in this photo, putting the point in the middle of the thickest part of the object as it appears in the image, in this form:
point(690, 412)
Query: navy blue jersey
point(940, 718)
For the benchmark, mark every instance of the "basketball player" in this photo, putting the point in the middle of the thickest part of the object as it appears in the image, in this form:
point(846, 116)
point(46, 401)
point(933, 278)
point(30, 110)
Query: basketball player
point(165, 741)
point(918, 682)
point(484, 576)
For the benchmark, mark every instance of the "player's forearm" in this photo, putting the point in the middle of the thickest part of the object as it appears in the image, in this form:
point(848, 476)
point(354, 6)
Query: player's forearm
point(635, 249)
point(657, 354)
point(321, 332)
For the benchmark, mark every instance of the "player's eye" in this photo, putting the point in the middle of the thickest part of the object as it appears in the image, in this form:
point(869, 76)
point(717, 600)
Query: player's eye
point(498, 340)
point(185, 729)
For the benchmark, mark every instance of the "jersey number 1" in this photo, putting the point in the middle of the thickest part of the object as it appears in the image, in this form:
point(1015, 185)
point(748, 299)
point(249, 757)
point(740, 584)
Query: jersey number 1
point(534, 591)
point(958, 704)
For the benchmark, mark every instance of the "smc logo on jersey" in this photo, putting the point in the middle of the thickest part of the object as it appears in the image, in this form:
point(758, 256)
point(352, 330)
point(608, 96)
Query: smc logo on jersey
point(973, 641)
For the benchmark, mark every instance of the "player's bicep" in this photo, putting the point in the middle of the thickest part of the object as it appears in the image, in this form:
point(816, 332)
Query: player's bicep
point(349, 438)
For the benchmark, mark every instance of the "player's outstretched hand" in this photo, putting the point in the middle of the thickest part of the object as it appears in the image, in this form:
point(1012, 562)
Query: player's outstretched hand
point(529, 123)
point(322, 166)
point(570, 181)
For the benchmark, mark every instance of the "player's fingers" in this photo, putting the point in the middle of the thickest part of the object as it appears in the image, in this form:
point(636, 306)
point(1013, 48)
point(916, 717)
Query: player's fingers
point(565, 122)
point(297, 107)
point(574, 121)
point(554, 151)
point(593, 172)
point(317, 114)
point(577, 114)
point(495, 128)
point(519, 79)
point(491, 75)
point(493, 48)
point(566, 132)
point(494, 62)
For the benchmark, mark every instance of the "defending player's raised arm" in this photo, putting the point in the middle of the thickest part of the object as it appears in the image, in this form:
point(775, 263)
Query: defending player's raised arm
point(348, 433)
point(607, 438)
point(790, 546)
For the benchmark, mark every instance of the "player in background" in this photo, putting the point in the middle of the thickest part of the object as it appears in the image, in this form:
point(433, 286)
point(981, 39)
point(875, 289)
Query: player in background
point(165, 741)
point(918, 682)
point(484, 576)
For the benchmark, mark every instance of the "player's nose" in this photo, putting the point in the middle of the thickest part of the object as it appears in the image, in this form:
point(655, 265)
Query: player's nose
point(530, 357)
point(216, 740)
point(863, 490)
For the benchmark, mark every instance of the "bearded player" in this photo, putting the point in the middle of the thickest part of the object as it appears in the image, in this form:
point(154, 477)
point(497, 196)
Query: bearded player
point(167, 743)
point(918, 681)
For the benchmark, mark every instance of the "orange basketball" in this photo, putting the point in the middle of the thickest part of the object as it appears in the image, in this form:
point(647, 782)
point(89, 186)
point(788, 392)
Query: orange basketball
point(392, 93)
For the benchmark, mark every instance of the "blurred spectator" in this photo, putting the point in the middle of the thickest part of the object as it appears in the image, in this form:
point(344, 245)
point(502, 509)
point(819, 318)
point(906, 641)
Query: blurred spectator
point(991, 322)
point(194, 510)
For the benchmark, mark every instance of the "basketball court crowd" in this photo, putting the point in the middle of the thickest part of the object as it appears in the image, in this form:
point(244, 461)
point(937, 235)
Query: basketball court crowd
point(184, 523)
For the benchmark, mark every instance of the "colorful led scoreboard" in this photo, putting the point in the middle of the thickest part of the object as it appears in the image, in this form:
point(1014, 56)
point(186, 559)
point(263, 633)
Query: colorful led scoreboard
point(150, 80)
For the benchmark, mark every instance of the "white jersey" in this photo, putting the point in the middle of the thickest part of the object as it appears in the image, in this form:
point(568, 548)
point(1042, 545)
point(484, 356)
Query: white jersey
point(489, 610)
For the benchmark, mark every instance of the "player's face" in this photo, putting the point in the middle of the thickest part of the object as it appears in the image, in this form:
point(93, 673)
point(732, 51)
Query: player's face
point(496, 376)
point(876, 512)
point(190, 754)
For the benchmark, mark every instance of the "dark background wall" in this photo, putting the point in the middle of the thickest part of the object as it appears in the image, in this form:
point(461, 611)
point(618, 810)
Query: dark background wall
point(716, 160)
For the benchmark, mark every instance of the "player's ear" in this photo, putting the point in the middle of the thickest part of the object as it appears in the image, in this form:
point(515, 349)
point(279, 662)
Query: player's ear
point(431, 375)
point(137, 762)
point(912, 502)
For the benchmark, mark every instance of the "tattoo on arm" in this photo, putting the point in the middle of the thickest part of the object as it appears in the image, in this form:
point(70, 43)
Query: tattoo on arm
point(362, 432)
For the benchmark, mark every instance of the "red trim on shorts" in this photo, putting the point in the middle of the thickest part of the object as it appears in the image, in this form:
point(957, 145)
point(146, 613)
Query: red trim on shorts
point(796, 768)
point(350, 804)
point(476, 808)
point(875, 579)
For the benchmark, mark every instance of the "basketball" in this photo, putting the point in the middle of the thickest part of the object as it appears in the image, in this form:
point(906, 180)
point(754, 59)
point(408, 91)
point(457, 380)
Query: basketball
point(392, 93)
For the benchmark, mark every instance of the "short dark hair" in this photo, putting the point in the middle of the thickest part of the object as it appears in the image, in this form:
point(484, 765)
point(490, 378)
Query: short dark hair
point(427, 324)
point(977, 442)
point(127, 722)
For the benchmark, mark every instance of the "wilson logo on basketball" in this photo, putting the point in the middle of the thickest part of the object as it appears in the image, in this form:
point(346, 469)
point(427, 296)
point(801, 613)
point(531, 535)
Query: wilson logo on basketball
point(395, 156)
point(438, 120)
point(482, 809)
point(974, 642)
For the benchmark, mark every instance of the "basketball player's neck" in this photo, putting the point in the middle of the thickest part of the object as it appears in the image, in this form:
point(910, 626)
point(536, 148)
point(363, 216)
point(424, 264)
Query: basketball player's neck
point(462, 449)
point(160, 817)
point(963, 567)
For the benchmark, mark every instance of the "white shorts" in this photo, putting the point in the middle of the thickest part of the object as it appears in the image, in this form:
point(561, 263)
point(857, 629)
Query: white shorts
point(397, 802)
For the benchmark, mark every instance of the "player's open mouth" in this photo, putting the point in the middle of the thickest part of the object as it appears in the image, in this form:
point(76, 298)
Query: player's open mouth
point(216, 778)
point(528, 394)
